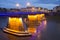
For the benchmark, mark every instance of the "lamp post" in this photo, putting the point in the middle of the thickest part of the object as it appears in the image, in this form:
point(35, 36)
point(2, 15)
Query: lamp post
point(17, 5)
point(28, 4)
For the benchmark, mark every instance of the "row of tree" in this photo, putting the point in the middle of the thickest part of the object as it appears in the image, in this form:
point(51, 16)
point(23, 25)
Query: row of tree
point(55, 9)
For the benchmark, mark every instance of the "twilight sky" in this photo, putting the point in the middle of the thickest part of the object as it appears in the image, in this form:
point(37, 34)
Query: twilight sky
point(38, 3)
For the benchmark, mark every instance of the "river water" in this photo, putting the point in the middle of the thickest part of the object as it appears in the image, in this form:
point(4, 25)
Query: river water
point(51, 30)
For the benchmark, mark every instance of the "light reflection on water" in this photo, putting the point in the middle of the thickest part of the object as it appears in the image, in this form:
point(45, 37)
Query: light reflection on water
point(35, 36)
point(49, 31)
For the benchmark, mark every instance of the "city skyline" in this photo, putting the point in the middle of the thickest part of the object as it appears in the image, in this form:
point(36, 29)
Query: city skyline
point(37, 3)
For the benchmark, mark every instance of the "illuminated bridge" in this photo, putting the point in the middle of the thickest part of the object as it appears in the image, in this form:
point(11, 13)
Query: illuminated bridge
point(22, 23)
point(18, 13)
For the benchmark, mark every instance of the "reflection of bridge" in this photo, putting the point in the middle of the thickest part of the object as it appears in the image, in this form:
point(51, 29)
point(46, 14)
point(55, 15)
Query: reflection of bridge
point(18, 13)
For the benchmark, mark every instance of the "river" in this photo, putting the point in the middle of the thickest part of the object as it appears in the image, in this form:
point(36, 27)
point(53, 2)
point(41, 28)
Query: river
point(51, 30)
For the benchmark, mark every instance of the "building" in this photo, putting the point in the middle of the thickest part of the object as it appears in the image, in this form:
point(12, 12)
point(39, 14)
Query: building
point(56, 9)
point(31, 9)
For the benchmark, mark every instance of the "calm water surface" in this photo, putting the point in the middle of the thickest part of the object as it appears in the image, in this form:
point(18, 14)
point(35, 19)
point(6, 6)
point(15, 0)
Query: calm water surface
point(51, 30)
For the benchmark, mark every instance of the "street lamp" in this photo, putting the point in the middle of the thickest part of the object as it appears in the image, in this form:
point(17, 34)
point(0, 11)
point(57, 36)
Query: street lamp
point(28, 4)
point(17, 5)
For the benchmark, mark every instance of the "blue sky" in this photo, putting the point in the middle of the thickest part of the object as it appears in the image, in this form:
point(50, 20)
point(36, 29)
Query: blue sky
point(38, 3)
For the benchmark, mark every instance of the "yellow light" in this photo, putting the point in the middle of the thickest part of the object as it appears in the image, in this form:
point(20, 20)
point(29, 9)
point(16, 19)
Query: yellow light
point(32, 30)
point(32, 17)
point(33, 9)
point(38, 17)
point(20, 19)
point(42, 15)
point(32, 22)
point(12, 30)
point(45, 23)
point(39, 9)
point(15, 23)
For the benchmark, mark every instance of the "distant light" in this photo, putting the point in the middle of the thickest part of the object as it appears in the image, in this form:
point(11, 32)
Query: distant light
point(33, 9)
point(17, 5)
point(39, 8)
point(28, 4)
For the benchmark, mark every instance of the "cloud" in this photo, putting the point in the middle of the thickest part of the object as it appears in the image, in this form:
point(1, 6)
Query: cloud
point(49, 6)
point(39, 3)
